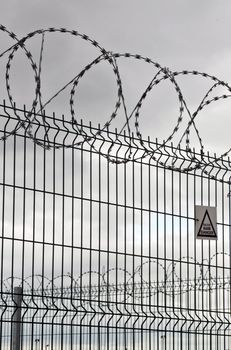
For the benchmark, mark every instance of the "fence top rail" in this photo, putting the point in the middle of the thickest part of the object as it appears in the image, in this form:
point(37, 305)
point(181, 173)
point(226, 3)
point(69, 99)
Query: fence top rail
point(52, 132)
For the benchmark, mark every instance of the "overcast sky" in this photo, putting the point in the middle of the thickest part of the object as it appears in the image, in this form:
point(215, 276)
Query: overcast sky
point(178, 33)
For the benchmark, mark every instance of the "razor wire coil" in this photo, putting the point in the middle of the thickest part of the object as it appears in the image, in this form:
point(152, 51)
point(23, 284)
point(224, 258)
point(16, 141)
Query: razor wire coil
point(163, 74)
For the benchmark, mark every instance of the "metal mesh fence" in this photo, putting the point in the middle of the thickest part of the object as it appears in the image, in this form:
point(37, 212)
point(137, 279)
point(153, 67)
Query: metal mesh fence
point(98, 247)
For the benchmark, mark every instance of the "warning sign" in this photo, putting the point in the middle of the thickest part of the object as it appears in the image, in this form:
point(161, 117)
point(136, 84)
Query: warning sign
point(206, 222)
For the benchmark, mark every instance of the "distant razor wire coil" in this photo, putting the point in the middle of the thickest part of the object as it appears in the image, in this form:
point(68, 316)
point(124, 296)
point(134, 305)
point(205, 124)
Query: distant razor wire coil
point(136, 285)
point(162, 74)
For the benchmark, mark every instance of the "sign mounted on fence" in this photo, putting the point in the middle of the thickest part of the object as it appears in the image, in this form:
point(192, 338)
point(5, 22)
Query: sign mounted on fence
point(206, 222)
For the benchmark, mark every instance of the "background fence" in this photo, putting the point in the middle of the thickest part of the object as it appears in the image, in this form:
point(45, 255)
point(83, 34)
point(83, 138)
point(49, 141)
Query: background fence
point(98, 248)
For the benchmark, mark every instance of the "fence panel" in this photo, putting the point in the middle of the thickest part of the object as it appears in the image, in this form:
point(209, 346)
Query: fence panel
point(98, 245)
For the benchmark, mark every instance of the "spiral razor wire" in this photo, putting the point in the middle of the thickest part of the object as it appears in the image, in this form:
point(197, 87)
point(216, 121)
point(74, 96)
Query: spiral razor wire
point(136, 286)
point(163, 74)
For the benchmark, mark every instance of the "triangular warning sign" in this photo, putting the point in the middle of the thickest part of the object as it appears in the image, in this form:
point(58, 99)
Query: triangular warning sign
point(206, 229)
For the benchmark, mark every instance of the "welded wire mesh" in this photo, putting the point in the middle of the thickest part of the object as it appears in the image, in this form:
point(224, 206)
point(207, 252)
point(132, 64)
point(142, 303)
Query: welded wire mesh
point(104, 250)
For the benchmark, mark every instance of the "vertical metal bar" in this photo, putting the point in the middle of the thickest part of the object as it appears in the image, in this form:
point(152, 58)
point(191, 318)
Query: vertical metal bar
point(13, 241)
point(16, 319)
point(81, 242)
point(34, 221)
point(90, 243)
point(107, 330)
point(195, 292)
point(165, 255)
point(63, 239)
point(99, 251)
point(173, 254)
point(150, 196)
point(53, 234)
point(2, 323)
point(43, 238)
point(118, 308)
point(157, 253)
point(125, 249)
point(24, 210)
point(72, 286)
point(133, 250)
point(203, 268)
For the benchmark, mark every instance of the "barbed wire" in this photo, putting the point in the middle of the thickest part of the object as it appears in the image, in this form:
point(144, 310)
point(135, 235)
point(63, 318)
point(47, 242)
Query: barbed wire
point(136, 285)
point(163, 74)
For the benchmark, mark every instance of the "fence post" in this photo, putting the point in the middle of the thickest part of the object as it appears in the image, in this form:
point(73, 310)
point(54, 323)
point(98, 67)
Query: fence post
point(16, 319)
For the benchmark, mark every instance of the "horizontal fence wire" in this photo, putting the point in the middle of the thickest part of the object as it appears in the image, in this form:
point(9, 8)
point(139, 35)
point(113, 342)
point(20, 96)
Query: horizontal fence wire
point(98, 246)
